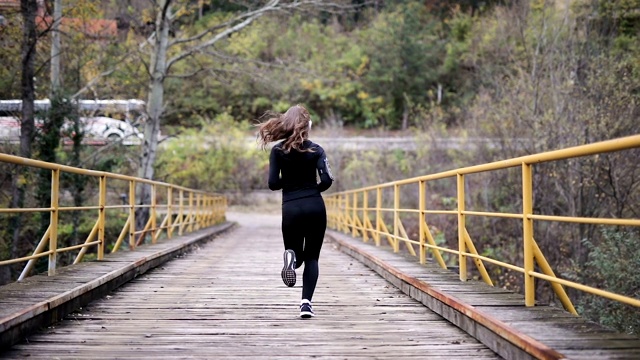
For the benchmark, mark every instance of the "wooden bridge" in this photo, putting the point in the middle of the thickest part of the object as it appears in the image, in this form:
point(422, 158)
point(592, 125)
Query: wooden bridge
point(217, 294)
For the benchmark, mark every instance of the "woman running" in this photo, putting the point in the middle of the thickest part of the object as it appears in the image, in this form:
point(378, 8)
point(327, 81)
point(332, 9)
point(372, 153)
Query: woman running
point(295, 164)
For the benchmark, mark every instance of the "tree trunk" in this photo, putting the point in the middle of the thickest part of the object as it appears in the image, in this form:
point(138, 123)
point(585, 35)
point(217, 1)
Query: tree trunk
point(155, 106)
point(55, 48)
point(54, 119)
point(78, 182)
point(28, 10)
point(405, 115)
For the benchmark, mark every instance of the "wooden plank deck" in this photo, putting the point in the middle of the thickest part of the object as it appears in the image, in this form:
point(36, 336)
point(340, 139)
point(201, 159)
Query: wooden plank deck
point(226, 300)
point(496, 317)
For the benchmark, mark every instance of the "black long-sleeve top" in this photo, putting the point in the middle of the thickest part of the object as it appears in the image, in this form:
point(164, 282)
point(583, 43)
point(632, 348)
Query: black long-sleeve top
point(296, 172)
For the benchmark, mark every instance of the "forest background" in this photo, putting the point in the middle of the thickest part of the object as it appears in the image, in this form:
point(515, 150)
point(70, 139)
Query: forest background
point(527, 76)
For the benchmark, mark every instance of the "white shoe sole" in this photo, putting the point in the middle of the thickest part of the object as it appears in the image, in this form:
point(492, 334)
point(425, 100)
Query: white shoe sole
point(288, 271)
point(306, 314)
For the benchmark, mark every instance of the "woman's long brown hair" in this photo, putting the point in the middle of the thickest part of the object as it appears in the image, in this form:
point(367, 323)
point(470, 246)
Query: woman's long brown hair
point(292, 127)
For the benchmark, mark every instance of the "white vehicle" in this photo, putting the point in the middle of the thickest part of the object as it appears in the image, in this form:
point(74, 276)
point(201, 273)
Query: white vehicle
point(9, 128)
point(98, 129)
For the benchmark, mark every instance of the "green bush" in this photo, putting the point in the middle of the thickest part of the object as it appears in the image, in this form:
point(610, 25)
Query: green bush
point(613, 266)
point(218, 157)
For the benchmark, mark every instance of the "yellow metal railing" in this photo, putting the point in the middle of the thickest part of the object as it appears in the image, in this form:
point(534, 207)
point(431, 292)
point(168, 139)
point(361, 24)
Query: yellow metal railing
point(350, 212)
point(181, 209)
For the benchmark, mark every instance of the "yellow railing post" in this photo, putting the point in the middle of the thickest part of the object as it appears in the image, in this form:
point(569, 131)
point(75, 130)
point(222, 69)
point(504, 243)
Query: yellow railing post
point(169, 208)
point(338, 214)
point(347, 211)
point(215, 205)
point(365, 216)
point(218, 206)
point(396, 218)
point(421, 215)
point(154, 229)
point(378, 215)
point(102, 201)
point(198, 214)
point(205, 210)
point(194, 209)
point(328, 203)
point(354, 215)
point(53, 233)
point(462, 259)
point(191, 216)
point(210, 211)
point(329, 206)
point(527, 233)
point(181, 212)
point(132, 214)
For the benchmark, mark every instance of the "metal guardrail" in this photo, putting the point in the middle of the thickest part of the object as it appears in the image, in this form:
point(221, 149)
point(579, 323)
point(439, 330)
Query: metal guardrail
point(350, 212)
point(181, 209)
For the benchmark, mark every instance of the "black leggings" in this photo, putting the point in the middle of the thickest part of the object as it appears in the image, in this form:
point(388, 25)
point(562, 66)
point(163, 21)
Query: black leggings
point(304, 222)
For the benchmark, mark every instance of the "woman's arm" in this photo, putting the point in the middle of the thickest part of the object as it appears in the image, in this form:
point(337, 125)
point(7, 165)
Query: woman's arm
point(275, 183)
point(326, 177)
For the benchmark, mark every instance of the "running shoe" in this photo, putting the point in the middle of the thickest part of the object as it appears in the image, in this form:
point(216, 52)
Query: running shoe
point(306, 310)
point(289, 270)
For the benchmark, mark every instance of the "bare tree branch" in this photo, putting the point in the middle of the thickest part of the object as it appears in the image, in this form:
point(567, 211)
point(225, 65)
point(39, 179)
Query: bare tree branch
point(246, 19)
point(92, 82)
point(208, 31)
point(272, 5)
point(330, 7)
point(105, 73)
point(187, 75)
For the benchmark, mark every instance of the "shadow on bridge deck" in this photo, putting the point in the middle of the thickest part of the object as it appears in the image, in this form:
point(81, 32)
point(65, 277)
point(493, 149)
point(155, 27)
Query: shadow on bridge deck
point(226, 301)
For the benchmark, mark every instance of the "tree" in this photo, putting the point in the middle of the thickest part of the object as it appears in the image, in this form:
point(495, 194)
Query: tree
point(405, 60)
point(168, 47)
point(10, 39)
